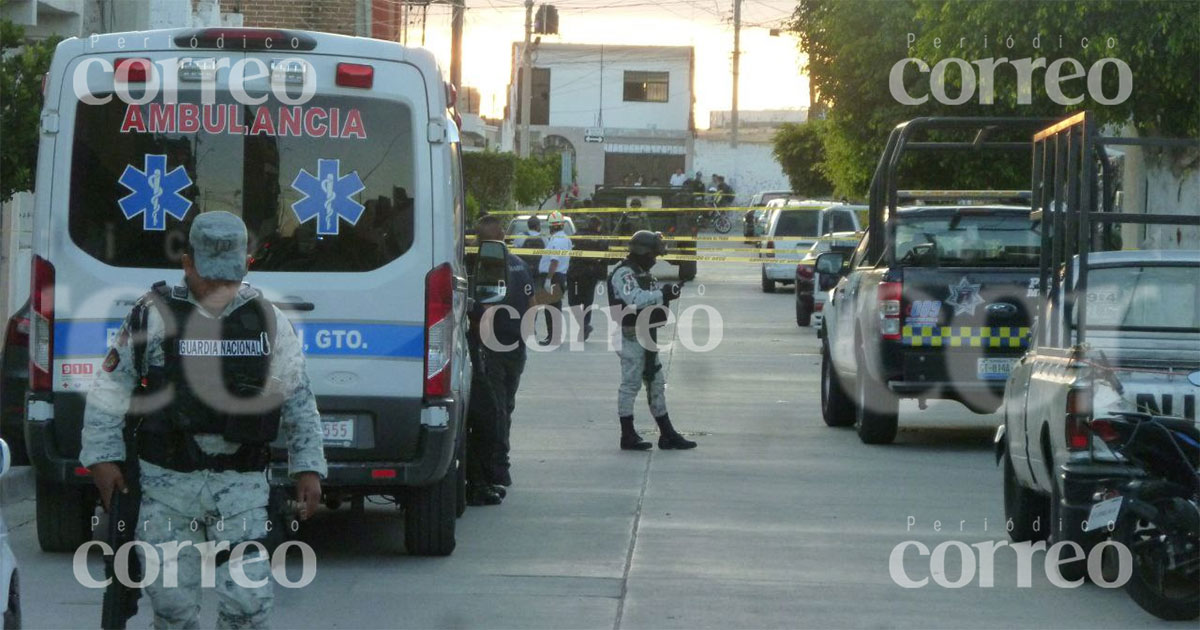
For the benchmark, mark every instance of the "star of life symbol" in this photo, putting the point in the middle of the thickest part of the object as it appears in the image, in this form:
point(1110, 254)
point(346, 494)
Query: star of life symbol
point(327, 196)
point(155, 192)
point(964, 297)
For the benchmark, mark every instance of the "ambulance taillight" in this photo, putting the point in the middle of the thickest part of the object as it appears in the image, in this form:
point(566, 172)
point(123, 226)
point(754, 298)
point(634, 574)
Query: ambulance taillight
point(41, 326)
point(355, 75)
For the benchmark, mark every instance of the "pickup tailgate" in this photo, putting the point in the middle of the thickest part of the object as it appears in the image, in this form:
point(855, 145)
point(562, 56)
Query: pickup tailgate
point(965, 324)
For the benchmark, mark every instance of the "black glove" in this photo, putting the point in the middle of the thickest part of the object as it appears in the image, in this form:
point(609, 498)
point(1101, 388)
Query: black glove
point(672, 291)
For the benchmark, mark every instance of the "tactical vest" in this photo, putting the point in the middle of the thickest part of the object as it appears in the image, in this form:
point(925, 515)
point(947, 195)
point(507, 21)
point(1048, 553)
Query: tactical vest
point(213, 381)
point(645, 281)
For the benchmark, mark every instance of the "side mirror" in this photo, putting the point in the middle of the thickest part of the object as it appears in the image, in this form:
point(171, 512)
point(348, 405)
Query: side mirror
point(5, 458)
point(831, 263)
point(490, 276)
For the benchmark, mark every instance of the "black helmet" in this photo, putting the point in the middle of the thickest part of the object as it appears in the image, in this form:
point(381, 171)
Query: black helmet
point(646, 242)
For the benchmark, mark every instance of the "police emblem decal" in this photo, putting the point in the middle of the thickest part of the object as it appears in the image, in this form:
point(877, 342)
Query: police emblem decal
point(111, 361)
point(964, 297)
point(154, 192)
point(328, 196)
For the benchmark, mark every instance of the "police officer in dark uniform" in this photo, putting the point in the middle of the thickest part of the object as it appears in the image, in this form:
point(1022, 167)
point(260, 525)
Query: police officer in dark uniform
point(641, 303)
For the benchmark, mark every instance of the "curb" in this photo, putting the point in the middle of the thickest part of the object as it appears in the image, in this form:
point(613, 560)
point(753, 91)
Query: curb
point(16, 485)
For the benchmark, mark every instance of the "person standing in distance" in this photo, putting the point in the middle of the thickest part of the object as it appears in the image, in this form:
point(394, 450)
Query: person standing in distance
point(585, 274)
point(632, 290)
point(211, 371)
point(552, 271)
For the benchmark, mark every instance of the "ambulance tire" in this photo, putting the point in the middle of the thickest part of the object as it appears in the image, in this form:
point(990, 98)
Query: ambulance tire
point(430, 516)
point(64, 513)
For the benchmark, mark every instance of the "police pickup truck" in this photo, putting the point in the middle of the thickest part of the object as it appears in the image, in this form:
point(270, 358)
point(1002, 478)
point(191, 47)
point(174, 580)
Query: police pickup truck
point(1117, 331)
point(935, 302)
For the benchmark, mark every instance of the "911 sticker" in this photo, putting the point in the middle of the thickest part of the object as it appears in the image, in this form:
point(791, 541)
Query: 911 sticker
point(924, 313)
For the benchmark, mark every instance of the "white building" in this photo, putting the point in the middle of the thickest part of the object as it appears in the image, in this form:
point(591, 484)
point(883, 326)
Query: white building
point(615, 111)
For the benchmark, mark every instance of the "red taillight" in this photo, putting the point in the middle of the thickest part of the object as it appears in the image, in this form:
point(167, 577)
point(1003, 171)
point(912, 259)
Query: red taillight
point(889, 310)
point(1079, 414)
point(439, 330)
point(82, 471)
point(41, 328)
point(18, 332)
point(383, 473)
point(770, 249)
point(131, 69)
point(1104, 430)
point(355, 75)
point(804, 270)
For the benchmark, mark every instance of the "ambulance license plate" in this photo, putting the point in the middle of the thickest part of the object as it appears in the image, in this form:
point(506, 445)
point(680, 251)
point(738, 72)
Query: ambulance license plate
point(337, 431)
point(994, 369)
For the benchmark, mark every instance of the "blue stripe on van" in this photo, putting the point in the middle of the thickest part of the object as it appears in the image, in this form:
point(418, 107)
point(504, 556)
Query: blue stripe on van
point(321, 339)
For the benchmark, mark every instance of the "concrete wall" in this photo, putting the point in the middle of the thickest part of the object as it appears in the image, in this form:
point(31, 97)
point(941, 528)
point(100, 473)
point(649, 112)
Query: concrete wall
point(1161, 183)
point(587, 85)
point(345, 17)
point(749, 168)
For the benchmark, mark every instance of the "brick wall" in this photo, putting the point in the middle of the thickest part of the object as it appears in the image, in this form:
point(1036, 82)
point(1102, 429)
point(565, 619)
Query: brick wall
point(330, 16)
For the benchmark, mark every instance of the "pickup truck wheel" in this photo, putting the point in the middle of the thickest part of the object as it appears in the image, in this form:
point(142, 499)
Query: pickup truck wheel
point(687, 270)
point(768, 285)
point(803, 314)
point(63, 516)
point(429, 517)
point(1026, 509)
point(1064, 528)
point(836, 407)
point(877, 409)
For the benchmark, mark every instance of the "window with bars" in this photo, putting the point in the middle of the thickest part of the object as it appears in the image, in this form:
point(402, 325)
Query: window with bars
point(646, 87)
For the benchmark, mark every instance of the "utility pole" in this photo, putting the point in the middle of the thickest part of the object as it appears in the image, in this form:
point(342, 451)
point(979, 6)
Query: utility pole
point(458, 10)
point(526, 81)
point(737, 53)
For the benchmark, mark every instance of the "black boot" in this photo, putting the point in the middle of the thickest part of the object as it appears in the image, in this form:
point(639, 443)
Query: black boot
point(482, 494)
point(630, 440)
point(669, 438)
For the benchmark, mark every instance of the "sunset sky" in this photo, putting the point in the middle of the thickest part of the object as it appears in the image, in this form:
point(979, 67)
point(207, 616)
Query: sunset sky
point(770, 76)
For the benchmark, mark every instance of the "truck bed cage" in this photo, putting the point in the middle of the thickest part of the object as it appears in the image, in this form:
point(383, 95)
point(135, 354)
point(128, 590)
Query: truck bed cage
point(1073, 193)
point(983, 133)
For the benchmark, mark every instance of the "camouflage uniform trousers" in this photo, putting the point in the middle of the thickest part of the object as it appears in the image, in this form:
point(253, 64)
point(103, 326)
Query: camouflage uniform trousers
point(633, 369)
point(179, 606)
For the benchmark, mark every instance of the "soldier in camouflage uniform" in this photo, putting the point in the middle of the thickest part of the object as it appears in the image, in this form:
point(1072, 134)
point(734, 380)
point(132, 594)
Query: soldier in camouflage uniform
point(639, 302)
point(203, 484)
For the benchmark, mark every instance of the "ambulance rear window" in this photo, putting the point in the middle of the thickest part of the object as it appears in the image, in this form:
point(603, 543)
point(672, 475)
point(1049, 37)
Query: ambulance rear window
point(326, 186)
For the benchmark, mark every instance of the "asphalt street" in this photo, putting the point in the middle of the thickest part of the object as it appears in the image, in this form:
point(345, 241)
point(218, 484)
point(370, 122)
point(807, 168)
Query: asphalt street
point(775, 521)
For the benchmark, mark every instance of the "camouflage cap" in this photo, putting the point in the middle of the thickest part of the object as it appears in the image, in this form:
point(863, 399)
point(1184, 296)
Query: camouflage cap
point(218, 244)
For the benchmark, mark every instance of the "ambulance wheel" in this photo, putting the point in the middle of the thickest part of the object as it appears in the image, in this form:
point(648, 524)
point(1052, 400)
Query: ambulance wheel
point(63, 516)
point(460, 472)
point(429, 517)
point(877, 409)
point(687, 270)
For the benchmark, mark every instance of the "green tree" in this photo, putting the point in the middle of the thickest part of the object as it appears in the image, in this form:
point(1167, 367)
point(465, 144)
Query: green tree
point(489, 176)
point(800, 150)
point(852, 45)
point(536, 179)
point(22, 65)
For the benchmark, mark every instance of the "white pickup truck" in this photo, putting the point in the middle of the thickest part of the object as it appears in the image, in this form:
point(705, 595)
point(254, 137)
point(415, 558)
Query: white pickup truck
point(1141, 343)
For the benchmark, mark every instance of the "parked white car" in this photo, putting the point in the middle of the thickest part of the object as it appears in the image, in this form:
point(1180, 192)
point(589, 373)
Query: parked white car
point(791, 231)
point(8, 562)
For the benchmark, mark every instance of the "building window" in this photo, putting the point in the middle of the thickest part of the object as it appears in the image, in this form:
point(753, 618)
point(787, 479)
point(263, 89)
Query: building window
point(539, 102)
point(646, 87)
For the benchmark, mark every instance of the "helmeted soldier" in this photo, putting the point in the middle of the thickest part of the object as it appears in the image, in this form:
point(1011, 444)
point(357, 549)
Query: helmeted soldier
point(208, 373)
point(641, 303)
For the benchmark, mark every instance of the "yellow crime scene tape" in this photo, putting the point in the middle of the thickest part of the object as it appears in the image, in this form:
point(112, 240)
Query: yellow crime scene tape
point(699, 237)
point(617, 255)
point(587, 211)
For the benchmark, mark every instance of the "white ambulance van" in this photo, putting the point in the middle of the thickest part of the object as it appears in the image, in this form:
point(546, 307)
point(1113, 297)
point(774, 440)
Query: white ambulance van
point(342, 157)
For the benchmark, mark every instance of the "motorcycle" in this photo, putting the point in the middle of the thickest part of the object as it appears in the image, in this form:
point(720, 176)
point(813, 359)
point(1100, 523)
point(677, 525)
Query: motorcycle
point(715, 217)
point(1157, 512)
